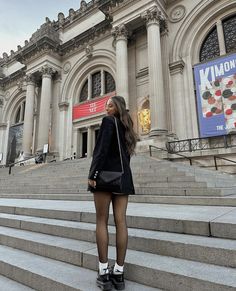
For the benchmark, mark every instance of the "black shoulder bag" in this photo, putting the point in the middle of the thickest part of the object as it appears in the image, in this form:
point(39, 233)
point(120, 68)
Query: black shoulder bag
point(111, 181)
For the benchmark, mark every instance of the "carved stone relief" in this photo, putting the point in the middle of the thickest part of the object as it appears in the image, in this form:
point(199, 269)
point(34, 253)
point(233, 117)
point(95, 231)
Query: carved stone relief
point(66, 67)
point(7, 95)
point(177, 13)
point(89, 51)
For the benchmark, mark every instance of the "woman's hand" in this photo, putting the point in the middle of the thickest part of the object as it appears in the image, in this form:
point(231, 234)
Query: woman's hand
point(92, 183)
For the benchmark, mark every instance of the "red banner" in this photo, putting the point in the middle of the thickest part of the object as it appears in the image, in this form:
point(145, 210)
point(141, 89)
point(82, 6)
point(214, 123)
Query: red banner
point(91, 107)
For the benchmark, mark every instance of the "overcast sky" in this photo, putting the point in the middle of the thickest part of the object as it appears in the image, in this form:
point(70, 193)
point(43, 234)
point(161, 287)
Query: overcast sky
point(19, 19)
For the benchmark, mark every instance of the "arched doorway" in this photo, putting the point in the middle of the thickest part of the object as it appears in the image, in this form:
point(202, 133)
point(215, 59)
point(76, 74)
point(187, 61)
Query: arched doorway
point(16, 134)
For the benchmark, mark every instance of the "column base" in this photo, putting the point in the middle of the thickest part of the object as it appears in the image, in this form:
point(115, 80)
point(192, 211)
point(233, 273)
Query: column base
point(158, 132)
point(157, 143)
point(53, 157)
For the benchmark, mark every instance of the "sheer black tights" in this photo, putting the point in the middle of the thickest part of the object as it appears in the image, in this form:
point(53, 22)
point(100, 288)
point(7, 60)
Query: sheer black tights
point(119, 204)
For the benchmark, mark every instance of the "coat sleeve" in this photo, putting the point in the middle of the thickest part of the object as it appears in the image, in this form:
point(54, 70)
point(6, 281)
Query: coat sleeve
point(101, 149)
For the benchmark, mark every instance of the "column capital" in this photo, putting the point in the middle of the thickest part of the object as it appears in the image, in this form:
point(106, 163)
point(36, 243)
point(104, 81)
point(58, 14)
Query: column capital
point(29, 79)
point(153, 16)
point(47, 71)
point(57, 76)
point(164, 28)
point(120, 32)
point(177, 67)
point(63, 106)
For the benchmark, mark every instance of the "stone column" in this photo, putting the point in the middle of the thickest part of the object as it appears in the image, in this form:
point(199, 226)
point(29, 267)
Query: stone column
point(54, 148)
point(44, 115)
point(166, 72)
point(63, 107)
point(102, 82)
point(1, 109)
point(89, 145)
point(120, 34)
point(75, 142)
point(221, 38)
point(4, 133)
point(178, 106)
point(29, 116)
point(153, 18)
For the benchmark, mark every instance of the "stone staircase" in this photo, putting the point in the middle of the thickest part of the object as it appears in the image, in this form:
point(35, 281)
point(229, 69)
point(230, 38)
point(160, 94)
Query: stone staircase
point(182, 228)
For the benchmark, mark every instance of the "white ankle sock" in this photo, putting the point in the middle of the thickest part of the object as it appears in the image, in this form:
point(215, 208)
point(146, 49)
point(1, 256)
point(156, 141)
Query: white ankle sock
point(103, 268)
point(118, 269)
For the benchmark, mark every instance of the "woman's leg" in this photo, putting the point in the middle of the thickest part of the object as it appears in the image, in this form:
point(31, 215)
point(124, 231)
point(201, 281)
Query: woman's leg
point(102, 203)
point(119, 203)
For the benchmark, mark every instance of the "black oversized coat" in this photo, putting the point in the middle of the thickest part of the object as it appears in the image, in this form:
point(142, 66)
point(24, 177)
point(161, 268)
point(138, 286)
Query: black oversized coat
point(106, 154)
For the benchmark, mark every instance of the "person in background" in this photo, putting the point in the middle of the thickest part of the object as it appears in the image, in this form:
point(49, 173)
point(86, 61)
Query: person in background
point(106, 156)
point(21, 158)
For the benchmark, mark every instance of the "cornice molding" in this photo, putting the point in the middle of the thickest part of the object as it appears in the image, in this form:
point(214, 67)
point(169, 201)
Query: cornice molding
point(82, 40)
point(12, 79)
point(43, 46)
point(48, 31)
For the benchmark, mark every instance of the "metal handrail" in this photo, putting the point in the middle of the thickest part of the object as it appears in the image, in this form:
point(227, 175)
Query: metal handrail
point(205, 143)
point(190, 159)
point(221, 158)
point(18, 162)
point(152, 146)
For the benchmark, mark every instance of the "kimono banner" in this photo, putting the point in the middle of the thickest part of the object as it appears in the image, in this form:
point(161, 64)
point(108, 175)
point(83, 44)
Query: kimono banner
point(216, 96)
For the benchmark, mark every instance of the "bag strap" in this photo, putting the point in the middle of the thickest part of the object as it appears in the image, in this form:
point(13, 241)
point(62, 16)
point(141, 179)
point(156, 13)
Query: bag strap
point(118, 138)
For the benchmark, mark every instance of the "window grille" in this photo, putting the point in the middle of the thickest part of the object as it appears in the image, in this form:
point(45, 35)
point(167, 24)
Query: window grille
point(110, 85)
point(96, 84)
point(210, 47)
point(229, 27)
point(84, 92)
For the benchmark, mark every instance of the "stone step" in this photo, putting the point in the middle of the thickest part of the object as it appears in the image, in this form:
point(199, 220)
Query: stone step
point(196, 248)
point(182, 192)
point(148, 190)
point(41, 190)
point(200, 220)
point(179, 200)
point(144, 178)
point(198, 171)
point(46, 274)
point(69, 185)
point(7, 284)
point(76, 186)
point(141, 267)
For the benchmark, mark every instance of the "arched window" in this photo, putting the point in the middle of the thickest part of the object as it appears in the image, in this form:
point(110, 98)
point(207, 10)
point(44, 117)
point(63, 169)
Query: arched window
point(211, 47)
point(96, 85)
point(110, 85)
point(229, 26)
point(20, 113)
point(84, 92)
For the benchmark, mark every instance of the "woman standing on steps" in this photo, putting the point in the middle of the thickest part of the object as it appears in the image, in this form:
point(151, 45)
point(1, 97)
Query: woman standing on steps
point(106, 156)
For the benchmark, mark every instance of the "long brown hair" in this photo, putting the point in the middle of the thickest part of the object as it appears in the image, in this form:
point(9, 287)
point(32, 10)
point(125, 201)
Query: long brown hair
point(125, 118)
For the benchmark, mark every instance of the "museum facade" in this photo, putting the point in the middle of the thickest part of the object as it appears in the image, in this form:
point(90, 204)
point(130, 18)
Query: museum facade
point(174, 62)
